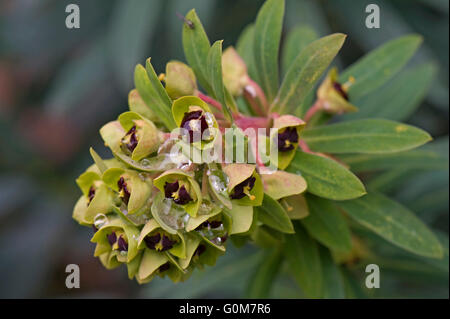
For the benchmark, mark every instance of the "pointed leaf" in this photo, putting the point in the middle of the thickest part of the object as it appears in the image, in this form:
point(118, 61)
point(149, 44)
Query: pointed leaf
point(365, 136)
point(326, 178)
point(267, 34)
point(306, 71)
point(272, 214)
point(378, 66)
point(393, 222)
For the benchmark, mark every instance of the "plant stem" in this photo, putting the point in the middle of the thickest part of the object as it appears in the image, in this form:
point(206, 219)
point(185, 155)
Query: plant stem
point(317, 106)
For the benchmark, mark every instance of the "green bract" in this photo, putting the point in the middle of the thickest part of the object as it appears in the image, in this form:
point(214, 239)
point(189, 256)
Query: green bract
point(166, 217)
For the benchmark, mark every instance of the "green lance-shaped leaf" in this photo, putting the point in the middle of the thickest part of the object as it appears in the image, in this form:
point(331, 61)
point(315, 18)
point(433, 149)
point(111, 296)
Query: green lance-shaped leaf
point(326, 178)
point(266, 42)
point(413, 159)
point(196, 48)
point(398, 98)
point(282, 184)
point(149, 88)
point(215, 77)
point(272, 214)
point(365, 136)
point(265, 274)
point(245, 48)
point(297, 39)
point(378, 66)
point(302, 255)
point(306, 71)
point(333, 282)
point(393, 222)
point(327, 224)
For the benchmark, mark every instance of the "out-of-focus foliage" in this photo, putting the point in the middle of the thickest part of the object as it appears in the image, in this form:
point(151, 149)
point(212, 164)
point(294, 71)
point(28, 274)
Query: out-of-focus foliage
point(57, 86)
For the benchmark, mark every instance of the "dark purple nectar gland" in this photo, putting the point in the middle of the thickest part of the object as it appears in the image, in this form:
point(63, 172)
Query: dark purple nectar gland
point(164, 267)
point(124, 192)
point(179, 194)
point(288, 139)
point(159, 242)
point(91, 194)
point(211, 224)
point(338, 87)
point(194, 122)
point(243, 189)
point(130, 140)
point(200, 250)
point(117, 243)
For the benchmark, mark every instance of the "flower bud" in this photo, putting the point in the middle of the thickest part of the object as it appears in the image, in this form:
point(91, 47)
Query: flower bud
point(234, 71)
point(137, 105)
point(180, 80)
point(334, 95)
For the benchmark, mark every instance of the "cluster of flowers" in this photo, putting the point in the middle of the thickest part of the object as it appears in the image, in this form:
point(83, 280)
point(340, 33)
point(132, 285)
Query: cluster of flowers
point(162, 215)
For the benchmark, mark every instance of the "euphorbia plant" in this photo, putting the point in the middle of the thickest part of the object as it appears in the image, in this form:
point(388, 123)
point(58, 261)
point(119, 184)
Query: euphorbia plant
point(164, 213)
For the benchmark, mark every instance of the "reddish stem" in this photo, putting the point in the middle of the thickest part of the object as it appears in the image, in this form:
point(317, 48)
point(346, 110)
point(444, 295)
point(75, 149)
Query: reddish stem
point(245, 122)
point(210, 100)
point(317, 106)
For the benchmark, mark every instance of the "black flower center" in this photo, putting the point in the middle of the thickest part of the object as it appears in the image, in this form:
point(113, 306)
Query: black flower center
point(119, 243)
point(123, 190)
point(200, 250)
point(91, 194)
point(194, 122)
point(164, 267)
point(159, 242)
point(130, 140)
point(242, 189)
point(287, 139)
point(179, 194)
point(338, 87)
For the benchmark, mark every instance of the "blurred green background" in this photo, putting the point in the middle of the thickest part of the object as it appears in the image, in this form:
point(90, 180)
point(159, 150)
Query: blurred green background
point(58, 86)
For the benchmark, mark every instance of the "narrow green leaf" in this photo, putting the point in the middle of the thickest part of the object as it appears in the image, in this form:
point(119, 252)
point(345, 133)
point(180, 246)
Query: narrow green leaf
point(158, 87)
point(215, 77)
point(398, 98)
point(196, 48)
point(395, 223)
point(244, 47)
point(296, 41)
point(326, 178)
point(365, 136)
point(306, 71)
point(414, 159)
point(98, 161)
point(265, 274)
point(272, 214)
point(378, 66)
point(333, 282)
point(326, 224)
point(302, 254)
point(267, 34)
point(151, 97)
